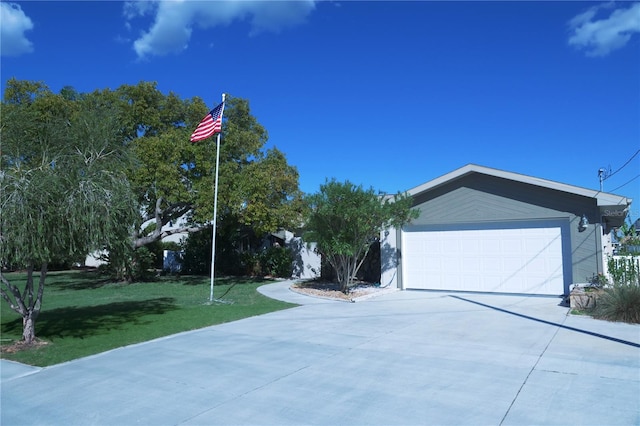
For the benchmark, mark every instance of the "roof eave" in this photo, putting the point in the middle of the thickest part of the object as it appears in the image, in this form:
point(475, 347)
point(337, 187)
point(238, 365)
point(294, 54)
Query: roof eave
point(603, 199)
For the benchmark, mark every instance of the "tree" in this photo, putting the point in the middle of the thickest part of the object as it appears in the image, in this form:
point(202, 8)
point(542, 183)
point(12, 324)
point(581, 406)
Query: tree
point(628, 238)
point(63, 189)
point(156, 129)
point(175, 178)
point(171, 178)
point(344, 221)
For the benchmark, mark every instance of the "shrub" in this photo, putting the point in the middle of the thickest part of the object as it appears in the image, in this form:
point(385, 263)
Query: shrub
point(277, 262)
point(196, 253)
point(619, 303)
point(274, 261)
point(598, 281)
point(250, 264)
point(129, 265)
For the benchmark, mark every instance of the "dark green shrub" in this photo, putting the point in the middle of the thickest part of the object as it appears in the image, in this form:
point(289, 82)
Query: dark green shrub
point(143, 265)
point(196, 253)
point(277, 262)
point(251, 265)
point(155, 248)
point(126, 264)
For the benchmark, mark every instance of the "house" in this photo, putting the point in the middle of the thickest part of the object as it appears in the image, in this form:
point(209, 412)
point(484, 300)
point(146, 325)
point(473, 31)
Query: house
point(487, 230)
point(171, 258)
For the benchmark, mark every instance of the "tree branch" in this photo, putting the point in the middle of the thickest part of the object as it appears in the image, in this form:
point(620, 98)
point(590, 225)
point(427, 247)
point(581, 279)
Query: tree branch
point(15, 291)
point(155, 235)
point(162, 217)
point(175, 211)
point(38, 305)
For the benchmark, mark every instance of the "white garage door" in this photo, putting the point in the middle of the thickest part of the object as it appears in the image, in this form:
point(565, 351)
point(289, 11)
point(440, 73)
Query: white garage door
point(509, 260)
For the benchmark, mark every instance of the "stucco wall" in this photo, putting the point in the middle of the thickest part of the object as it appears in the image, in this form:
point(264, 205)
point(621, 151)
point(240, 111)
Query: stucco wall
point(306, 263)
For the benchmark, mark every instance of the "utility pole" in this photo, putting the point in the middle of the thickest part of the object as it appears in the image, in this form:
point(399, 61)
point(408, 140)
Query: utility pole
point(602, 175)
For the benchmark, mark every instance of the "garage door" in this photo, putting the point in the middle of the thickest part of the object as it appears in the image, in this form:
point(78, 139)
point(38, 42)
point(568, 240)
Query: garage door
point(498, 259)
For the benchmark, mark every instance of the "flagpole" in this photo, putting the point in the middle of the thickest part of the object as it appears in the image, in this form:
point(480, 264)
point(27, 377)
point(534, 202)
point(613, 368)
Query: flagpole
point(215, 211)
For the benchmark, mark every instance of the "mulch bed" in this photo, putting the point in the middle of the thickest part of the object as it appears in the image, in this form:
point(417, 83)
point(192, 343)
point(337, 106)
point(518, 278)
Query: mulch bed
point(21, 345)
point(331, 290)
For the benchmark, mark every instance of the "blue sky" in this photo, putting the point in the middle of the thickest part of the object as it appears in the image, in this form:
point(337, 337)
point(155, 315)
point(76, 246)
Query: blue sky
point(384, 94)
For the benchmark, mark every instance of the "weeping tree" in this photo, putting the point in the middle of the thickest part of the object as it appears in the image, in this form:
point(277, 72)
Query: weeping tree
point(345, 220)
point(63, 188)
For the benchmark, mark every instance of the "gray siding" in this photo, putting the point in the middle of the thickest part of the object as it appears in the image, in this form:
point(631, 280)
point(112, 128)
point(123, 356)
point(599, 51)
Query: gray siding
point(585, 251)
point(483, 198)
point(480, 197)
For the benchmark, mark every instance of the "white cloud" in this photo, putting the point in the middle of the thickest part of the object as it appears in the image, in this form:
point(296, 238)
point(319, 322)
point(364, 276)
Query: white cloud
point(14, 24)
point(174, 21)
point(601, 36)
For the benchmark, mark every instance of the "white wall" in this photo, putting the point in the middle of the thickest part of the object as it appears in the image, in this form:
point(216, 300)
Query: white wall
point(92, 260)
point(306, 264)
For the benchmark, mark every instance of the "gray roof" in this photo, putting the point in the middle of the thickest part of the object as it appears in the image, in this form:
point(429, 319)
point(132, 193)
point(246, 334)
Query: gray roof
point(603, 199)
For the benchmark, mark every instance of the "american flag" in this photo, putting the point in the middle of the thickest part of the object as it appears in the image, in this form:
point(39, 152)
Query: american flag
point(210, 124)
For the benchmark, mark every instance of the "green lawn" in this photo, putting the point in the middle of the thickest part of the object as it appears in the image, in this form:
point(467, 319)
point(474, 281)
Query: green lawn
point(84, 314)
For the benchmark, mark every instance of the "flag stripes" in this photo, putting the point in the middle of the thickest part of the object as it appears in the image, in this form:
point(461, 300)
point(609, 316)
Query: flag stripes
point(210, 124)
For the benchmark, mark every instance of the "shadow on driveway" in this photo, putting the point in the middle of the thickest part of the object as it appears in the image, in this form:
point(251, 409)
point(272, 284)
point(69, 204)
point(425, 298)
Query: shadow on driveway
point(566, 327)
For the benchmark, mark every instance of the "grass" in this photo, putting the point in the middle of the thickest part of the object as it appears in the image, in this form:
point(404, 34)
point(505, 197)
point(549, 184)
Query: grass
point(84, 314)
point(579, 312)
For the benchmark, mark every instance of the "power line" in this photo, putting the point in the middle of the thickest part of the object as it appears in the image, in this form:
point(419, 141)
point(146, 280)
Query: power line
point(623, 166)
point(624, 184)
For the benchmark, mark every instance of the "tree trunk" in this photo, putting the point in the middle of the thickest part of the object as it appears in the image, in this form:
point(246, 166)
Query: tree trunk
point(343, 275)
point(28, 328)
point(342, 267)
point(33, 305)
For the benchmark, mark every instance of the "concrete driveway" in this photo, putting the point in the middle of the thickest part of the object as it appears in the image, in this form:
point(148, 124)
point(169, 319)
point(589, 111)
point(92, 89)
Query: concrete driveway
point(405, 358)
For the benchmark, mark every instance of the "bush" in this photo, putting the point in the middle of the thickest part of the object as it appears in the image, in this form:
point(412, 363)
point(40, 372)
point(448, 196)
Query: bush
point(274, 261)
point(277, 262)
point(129, 265)
point(619, 303)
point(196, 253)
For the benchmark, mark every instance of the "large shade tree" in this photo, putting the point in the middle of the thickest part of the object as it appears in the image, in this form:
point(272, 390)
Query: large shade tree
point(346, 219)
point(174, 178)
point(63, 186)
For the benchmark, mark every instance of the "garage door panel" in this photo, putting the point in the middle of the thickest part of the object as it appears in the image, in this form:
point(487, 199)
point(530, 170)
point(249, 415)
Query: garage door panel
point(512, 260)
point(473, 266)
point(490, 247)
